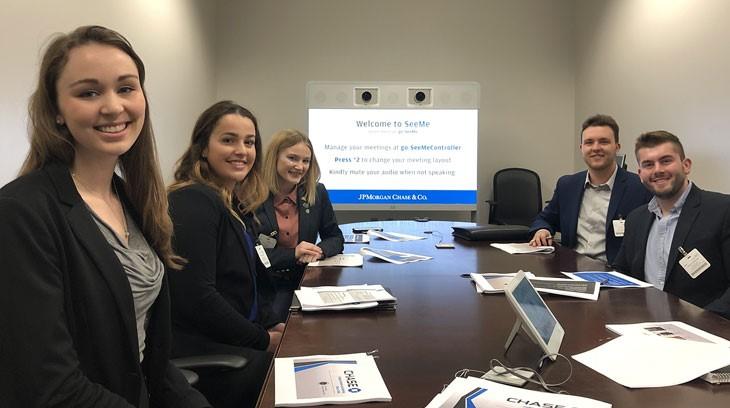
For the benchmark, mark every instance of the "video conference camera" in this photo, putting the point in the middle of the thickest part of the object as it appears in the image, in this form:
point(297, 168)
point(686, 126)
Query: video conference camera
point(366, 96)
point(419, 97)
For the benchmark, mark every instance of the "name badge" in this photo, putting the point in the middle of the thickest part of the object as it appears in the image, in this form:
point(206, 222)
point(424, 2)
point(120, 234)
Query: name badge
point(694, 263)
point(267, 241)
point(618, 227)
point(262, 256)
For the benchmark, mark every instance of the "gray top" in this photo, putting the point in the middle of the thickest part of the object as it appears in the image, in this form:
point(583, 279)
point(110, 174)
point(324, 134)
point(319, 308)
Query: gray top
point(143, 268)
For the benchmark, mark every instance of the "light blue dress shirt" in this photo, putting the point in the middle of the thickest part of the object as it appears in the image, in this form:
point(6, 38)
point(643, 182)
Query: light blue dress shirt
point(659, 241)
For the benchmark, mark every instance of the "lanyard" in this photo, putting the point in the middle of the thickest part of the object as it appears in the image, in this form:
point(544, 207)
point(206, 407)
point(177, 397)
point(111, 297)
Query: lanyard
point(252, 268)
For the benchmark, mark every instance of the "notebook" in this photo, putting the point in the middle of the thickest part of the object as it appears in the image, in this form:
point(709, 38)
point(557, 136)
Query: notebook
point(491, 232)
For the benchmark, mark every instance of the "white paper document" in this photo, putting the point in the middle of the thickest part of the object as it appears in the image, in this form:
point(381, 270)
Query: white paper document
point(394, 236)
point(395, 257)
point(674, 329)
point(609, 279)
point(342, 297)
point(677, 330)
point(496, 283)
point(479, 393)
point(340, 260)
point(328, 379)
point(493, 282)
point(640, 361)
point(524, 248)
point(567, 287)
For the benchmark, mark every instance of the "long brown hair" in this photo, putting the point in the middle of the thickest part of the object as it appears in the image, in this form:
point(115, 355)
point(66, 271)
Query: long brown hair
point(192, 167)
point(284, 139)
point(52, 142)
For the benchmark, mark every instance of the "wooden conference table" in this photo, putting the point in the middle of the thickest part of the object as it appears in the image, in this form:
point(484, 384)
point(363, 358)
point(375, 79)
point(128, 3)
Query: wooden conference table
point(442, 325)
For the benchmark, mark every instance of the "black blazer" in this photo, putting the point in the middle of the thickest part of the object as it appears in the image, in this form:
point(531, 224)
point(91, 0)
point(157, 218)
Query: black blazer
point(317, 219)
point(561, 214)
point(66, 308)
point(213, 295)
point(704, 224)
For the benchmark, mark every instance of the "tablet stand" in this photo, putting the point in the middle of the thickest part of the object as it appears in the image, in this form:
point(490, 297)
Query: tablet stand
point(523, 353)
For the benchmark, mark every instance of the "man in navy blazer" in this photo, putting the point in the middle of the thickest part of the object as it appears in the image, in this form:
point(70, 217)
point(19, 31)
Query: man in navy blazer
point(680, 241)
point(588, 208)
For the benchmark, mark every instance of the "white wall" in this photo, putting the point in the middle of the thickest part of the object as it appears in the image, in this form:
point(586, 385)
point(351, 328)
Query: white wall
point(544, 65)
point(660, 64)
point(172, 37)
point(520, 51)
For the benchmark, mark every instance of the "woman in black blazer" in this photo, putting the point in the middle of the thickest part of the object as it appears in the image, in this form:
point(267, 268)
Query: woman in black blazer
point(297, 210)
point(219, 301)
point(84, 307)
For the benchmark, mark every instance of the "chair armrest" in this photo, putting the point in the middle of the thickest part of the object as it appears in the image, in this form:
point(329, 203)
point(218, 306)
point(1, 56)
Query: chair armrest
point(213, 360)
point(190, 376)
point(186, 364)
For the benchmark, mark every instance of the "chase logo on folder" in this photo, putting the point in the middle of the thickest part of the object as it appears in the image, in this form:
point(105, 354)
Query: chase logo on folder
point(319, 379)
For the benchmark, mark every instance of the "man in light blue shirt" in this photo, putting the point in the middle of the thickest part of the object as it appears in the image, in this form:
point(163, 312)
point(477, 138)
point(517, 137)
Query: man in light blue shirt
point(660, 237)
point(680, 241)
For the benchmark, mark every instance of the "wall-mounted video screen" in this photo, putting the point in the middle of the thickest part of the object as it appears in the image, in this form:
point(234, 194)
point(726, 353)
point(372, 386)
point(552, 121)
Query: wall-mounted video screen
point(397, 157)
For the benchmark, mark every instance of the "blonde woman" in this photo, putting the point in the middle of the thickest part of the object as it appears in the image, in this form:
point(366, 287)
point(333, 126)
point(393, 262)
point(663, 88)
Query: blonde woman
point(297, 210)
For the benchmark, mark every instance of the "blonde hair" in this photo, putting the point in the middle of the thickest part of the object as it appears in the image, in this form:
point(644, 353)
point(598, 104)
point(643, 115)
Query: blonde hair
point(284, 139)
point(52, 142)
point(192, 167)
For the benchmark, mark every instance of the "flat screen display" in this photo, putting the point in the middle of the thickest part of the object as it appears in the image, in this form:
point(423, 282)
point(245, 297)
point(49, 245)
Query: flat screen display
point(397, 157)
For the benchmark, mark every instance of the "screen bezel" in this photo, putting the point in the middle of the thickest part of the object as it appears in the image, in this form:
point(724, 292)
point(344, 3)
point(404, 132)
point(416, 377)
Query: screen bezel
point(550, 348)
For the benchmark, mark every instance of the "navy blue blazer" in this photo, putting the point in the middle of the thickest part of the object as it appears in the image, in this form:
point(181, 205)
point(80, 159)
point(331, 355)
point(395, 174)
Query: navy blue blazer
point(318, 219)
point(213, 296)
point(67, 312)
point(561, 214)
point(704, 224)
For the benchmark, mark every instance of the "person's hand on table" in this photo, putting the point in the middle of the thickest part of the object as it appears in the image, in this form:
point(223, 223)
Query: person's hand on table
point(275, 334)
point(542, 237)
point(307, 252)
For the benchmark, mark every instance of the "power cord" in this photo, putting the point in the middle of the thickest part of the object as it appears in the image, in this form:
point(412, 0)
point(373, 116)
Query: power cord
point(540, 380)
point(495, 364)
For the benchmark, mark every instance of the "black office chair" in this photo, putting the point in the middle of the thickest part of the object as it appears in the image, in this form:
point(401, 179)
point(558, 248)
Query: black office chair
point(187, 365)
point(516, 197)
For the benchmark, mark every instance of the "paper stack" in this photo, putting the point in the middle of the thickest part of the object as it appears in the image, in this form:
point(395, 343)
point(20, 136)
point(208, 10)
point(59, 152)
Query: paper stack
point(496, 282)
point(657, 354)
point(340, 260)
point(394, 236)
point(395, 257)
point(344, 297)
point(524, 248)
point(328, 379)
point(479, 393)
point(608, 279)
